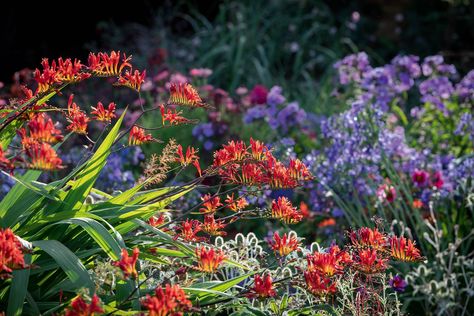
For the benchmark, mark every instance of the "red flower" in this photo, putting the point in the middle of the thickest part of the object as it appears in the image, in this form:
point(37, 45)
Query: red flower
point(168, 301)
point(258, 95)
point(156, 221)
point(319, 285)
point(404, 250)
point(132, 80)
point(5, 163)
point(211, 204)
point(69, 71)
point(11, 253)
point(420, 177)
point(234, 151)
point(46, 78)
point(127, 264)
point(189, 229)
point(262, 288)
point(417, 203)
point(299, 171)
point(328, 263)
point(213, 227)
point(185, 95)
point(236, 205)
point(43, 157)
point(437, 180)
point(60, 71)
point(174, 118)
point(284, 245)
point(284, 211)
point(108, 65)
point(138, 136)
point(41, 129)
point(368, 237)
point(102, 114)
point(369, 261)
point(209, 259)
point(78, 120)
point(79, 307)
point(258, 149)
point(305, 211)
point(187, 159)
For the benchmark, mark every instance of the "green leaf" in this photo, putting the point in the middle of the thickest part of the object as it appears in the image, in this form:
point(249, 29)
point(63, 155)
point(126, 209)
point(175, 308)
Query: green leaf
point(68, 261)
point(86, 178)
point(18, 290)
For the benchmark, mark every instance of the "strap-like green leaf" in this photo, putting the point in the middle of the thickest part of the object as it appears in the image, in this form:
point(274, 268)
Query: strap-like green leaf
point(18, 290)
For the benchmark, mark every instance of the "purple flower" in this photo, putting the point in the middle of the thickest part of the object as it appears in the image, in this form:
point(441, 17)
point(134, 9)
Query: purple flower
point(434, 65)
point(398, 283)
point(351, 68)
point(275, 96)
point(465, 88)
point(436, 91)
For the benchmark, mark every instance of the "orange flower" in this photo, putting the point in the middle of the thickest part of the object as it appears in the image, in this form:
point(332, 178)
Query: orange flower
point(328, 263)
point(185, 95)
point(79, 307)
point(132, 80)
point(69, 71)
point(368, 237)
point(211, 204)
point(41, 129)
point(213, 227)
point(189, 229)
point(369, 261)
point(11, 253)
point(168, 301)
point(327, 222)
point(417, 203)
point(319, 285)
point(236, 205)
point(404, 249)
point(209, 259)
point(138, 136)
point(102, 114)
point(257, 149)
point(284, 211)
point(127, 264)
point(174, 118)
point(284, 245)
point(262, 288)
point(305, 211)
point(43, 157)
point(46, 78)
point(108, 65)
point(187, 159)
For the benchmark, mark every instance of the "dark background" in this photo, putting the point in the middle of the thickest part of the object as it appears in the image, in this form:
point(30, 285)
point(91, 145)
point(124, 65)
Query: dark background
point(30, 31)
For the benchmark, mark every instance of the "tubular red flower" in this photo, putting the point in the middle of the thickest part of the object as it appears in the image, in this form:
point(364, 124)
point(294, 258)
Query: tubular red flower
point(284, 245)
point(369, 261)
point(43, 157)
point(368, 237)
point(209, 259)
point(138, 136)
point(236, 205)
point(298, 170)
point(128, 264)
point(283, 210)
point(174, 118)
point(328, 263)
point(78, 120)
point(132, 80)
point(104, 114)
point(70, 72)
point(257, 149)
point(188, 230)
point(185, 95)
point(404, 249)
point(211, 204)
point(41, 129)
point(11, 253)
point(168, 301)
point(319, 285)
point(213, 227)
point(108, 65)
point(187, 159)
point(262, 288)
point(5, 163)
point(156, 221)
point(79, 307)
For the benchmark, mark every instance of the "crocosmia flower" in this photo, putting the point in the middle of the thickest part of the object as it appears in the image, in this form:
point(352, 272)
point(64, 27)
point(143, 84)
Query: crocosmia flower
point(209, 259)
point(128, 264)
point(284, 245)
point(11, 253)
point(43, 157)
point(283, 210)
point(79, 307)
point(262, 288)
point(138, 136)
point(104, 114)
point(185, 95)
point(404, 249)
point(171, 300)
